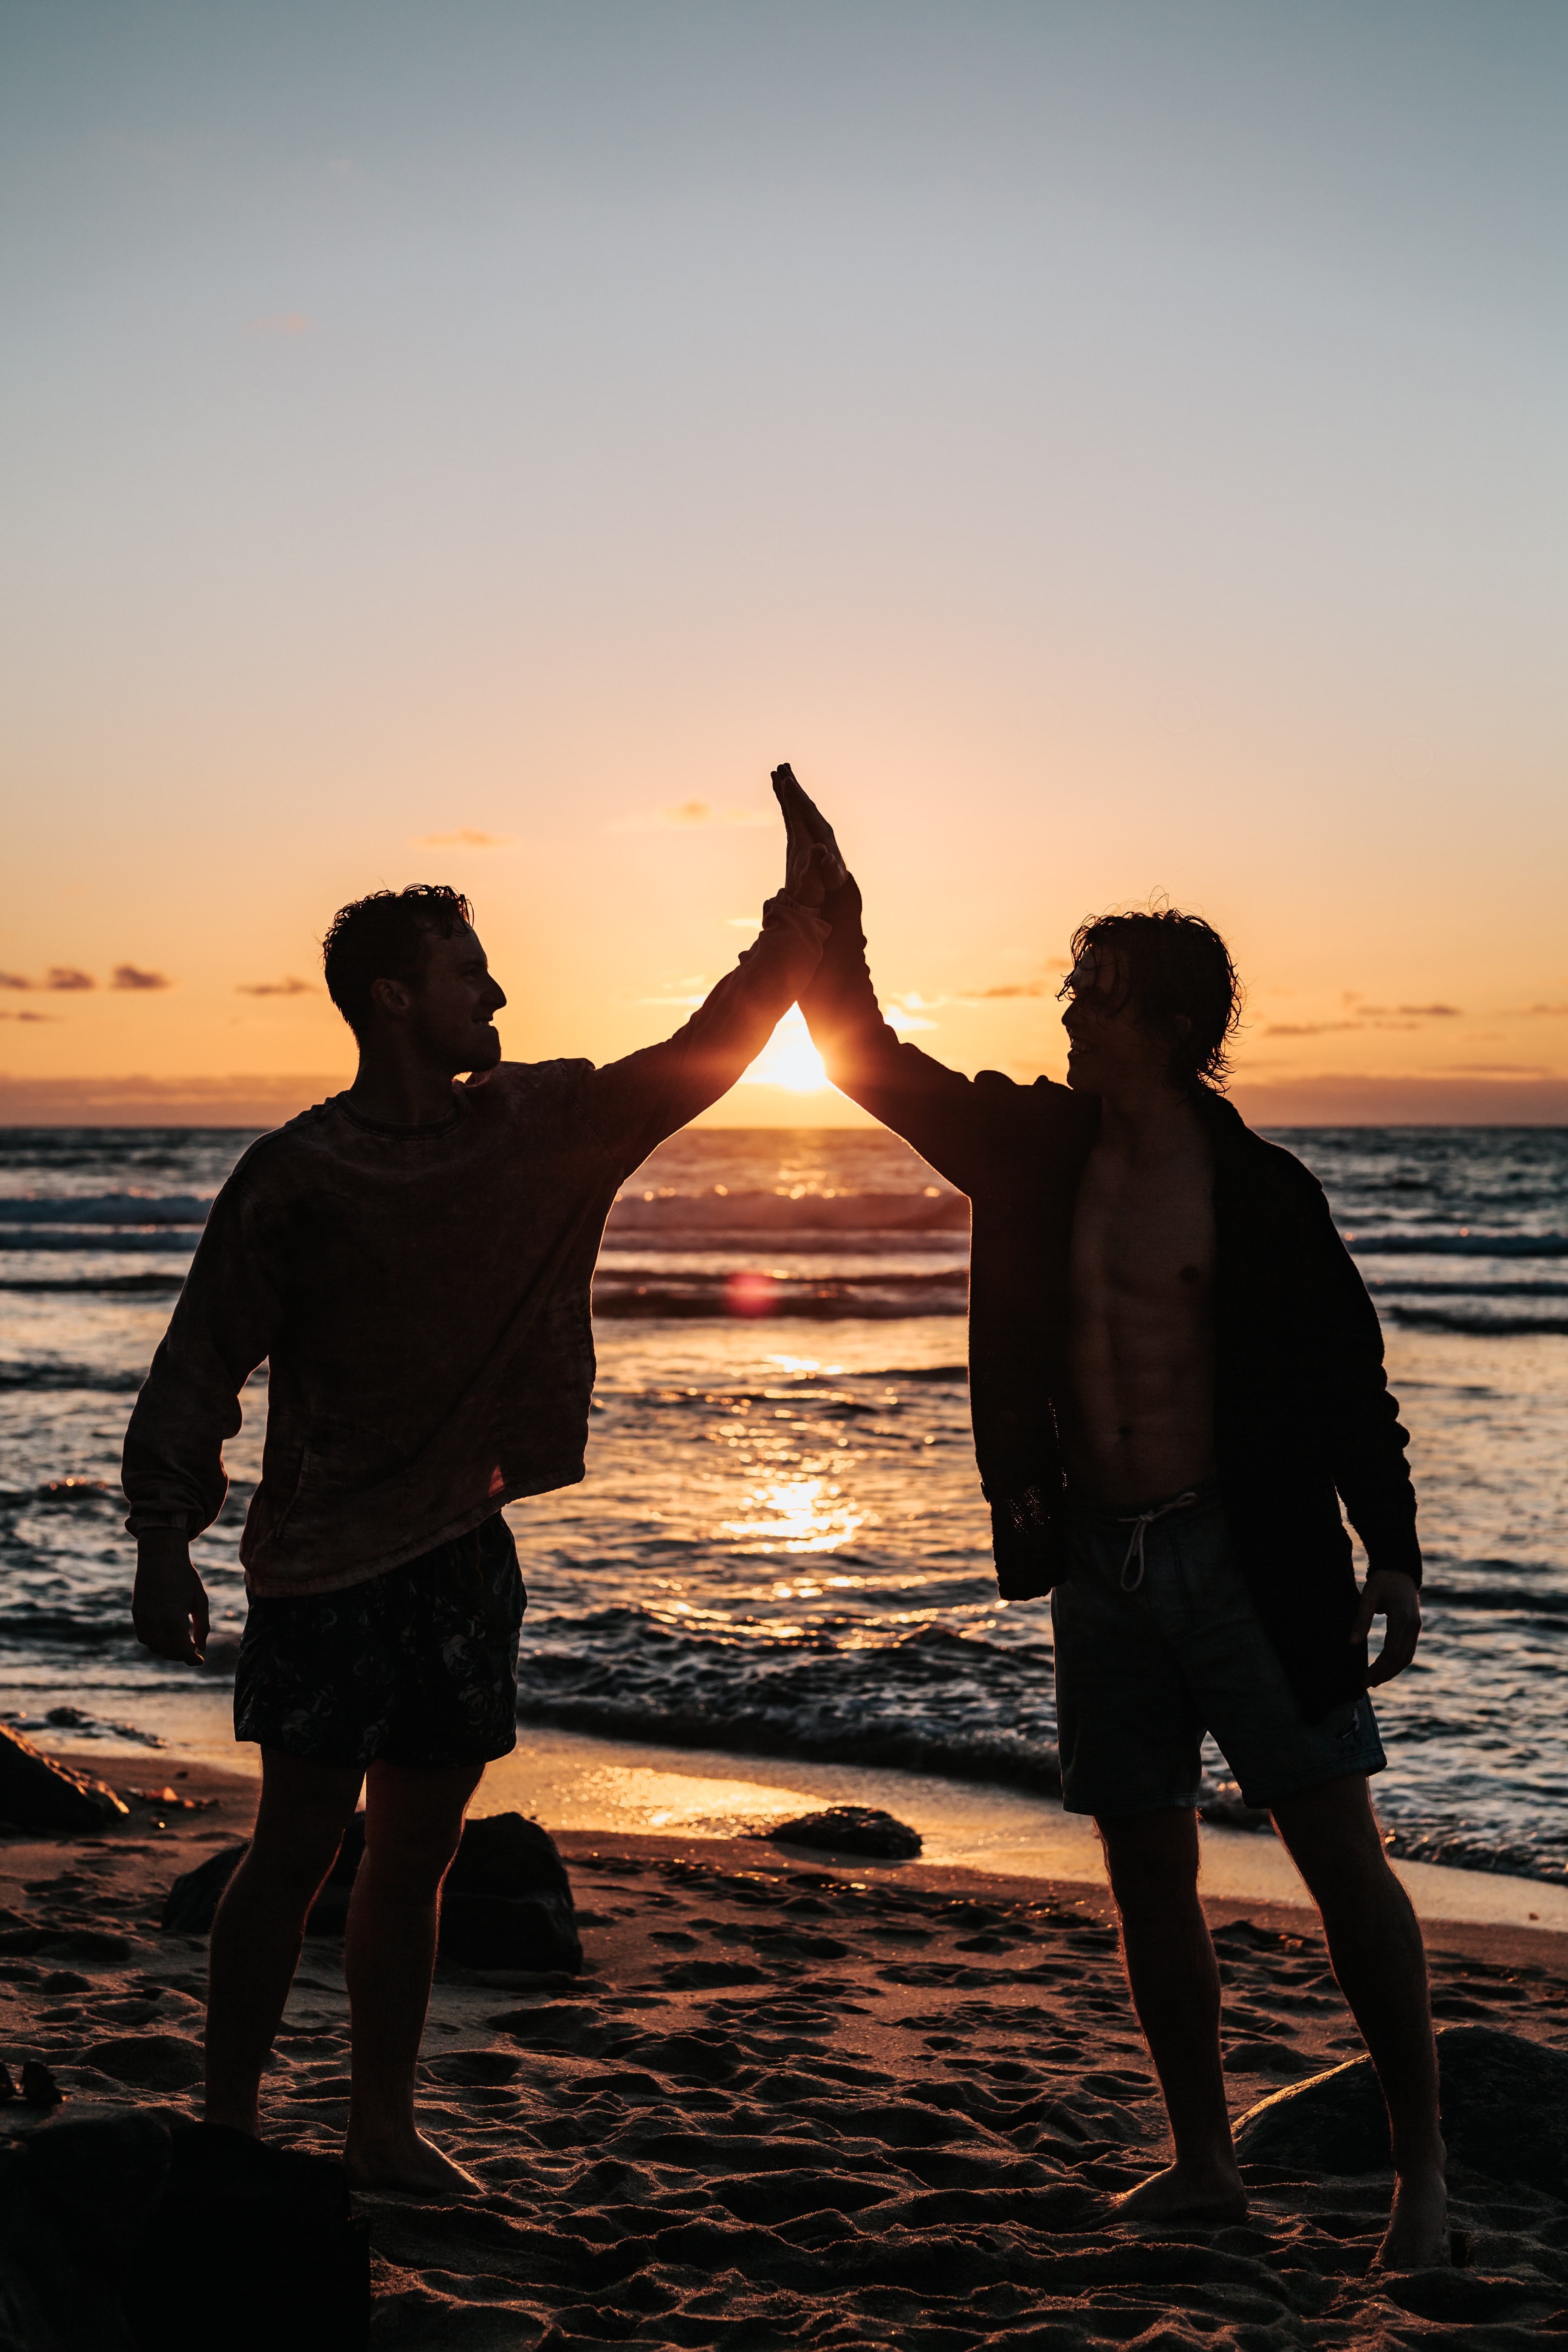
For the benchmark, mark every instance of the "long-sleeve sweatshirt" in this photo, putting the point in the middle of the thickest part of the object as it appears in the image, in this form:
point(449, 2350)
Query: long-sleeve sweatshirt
point(1302, 1411)
point(421, 1296)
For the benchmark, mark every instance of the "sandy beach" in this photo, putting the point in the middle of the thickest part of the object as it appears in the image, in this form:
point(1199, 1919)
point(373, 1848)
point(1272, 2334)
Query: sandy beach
point(793, 2100)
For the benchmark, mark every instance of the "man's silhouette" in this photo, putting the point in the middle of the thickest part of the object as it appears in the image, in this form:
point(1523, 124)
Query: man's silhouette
point(1175, 1375)
point(412, 1259)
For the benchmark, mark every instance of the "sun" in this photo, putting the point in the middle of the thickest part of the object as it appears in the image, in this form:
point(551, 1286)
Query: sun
point(789, 1058)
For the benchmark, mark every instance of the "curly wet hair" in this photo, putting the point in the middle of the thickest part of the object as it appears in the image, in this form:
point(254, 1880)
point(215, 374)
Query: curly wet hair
point(1174, 966)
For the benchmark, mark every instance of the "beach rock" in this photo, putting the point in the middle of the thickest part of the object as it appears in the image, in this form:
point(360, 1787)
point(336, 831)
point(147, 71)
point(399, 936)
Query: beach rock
point(36, 1794)
point(40, 2088)
point(507, 1902)
point(74, 2200)
point(191, 1905)
point(1505, 2113)
point(249, 2247)
point(1230, 1809)
point(851, 1829)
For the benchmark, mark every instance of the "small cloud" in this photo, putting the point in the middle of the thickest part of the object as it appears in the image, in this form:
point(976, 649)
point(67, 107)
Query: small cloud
point(1409, 1012)
point(18, 979)
point(285, 324)
point(1552, 1011)
point(692, 817)
point(131, 976)
point(465, 838)
point(7, 1014)
point(287, 987)
point(689, 992)
point(754, 923)
point(66, 977)
point(1011, 988)
point(1308, 1028)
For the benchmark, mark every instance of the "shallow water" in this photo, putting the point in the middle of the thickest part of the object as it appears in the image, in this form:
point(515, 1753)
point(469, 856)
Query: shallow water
point(780, 1548)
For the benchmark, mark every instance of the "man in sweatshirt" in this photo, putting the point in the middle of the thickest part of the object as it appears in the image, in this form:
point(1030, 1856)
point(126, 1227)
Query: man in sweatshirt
point(412, 1260)
point(1175, 1375)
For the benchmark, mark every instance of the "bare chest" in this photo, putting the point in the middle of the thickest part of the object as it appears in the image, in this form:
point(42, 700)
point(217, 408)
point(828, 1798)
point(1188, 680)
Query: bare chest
point(1144, 1236)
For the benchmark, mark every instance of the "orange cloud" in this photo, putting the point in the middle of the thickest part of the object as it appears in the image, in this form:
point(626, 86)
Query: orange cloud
point(289, 986)
point(689, 816)
point(465, 838)
point(131, 976)
point(66, 976)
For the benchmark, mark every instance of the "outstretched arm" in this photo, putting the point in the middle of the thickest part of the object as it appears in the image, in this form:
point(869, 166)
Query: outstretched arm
point(935, 1109)
point(637, 1102)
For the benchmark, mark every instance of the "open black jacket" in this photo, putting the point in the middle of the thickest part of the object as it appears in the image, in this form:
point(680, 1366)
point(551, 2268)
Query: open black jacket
point(1303, 1416)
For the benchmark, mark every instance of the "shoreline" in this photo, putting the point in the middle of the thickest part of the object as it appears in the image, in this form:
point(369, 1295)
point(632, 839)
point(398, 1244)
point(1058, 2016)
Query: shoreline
point(577, 1781)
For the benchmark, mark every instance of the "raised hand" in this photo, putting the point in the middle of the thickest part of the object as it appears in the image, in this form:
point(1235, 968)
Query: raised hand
point(812, 866)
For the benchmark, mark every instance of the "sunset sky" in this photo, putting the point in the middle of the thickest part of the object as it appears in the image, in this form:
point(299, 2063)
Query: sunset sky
point(1108, 448)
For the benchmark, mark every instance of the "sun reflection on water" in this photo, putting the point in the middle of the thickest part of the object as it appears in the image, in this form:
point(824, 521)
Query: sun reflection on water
point(798, 1515)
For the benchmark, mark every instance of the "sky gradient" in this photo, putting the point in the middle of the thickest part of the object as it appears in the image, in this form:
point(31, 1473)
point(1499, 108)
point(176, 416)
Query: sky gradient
point(1108, 448)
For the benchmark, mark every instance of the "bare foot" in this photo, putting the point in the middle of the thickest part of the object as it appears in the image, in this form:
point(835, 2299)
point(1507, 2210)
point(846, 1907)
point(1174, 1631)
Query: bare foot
point(413, 2165)
point(1417, 2236)
point(1182, 2193)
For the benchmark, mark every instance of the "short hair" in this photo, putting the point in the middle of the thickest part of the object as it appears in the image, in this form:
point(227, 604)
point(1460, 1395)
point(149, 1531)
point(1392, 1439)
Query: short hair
point(1176, 966)
point(383, 938)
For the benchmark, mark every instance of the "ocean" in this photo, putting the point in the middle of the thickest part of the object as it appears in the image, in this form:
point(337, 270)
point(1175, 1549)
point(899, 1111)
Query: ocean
point(780, 1547)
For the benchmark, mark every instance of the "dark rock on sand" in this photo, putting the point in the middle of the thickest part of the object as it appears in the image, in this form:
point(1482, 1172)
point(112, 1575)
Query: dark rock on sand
point(1230, 1809)
point(74, 2199)
point(40, 2088)
point(1505, 2114)
point(851, 1829)
point(249, 2247)
point(507, 1902)
point(36, 1794)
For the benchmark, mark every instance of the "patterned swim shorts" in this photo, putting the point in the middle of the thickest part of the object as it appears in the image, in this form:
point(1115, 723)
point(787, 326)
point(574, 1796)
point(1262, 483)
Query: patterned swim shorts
point(415, 1666)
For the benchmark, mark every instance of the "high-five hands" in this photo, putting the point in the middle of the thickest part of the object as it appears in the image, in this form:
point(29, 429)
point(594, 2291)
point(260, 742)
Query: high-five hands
point(812, 866)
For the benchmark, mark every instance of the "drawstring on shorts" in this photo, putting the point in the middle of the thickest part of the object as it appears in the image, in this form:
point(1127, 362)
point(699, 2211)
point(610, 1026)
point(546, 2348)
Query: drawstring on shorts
point(1140, 1526)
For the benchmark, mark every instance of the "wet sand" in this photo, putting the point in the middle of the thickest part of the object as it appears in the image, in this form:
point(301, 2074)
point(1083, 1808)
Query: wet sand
point(793, 2101)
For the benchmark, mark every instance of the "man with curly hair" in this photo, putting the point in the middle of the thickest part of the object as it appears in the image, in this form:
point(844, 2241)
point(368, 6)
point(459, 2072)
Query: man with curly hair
point(1176, 1375)
point(412, 1260)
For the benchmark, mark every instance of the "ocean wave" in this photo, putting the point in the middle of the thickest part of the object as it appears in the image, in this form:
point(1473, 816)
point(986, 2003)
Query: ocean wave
point(717, 1217)
point(1419, 1289)
point(165, 1239)
point(1366, 1242)
point(145, 1286)
point(104, 1209)
point(51, 1375)
point(1549, 1605)
point(1463, 1849)
point(932, 1701)
point(1477, 1327)
point(749, 1292)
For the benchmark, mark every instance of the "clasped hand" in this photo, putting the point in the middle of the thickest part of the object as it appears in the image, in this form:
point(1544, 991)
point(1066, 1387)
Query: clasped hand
point(813, 866)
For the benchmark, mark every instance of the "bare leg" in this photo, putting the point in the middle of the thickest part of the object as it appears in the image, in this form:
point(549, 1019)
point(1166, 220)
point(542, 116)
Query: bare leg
point(1152, 1861)
point(260, 1923)
point(1375, 1944)
point(414, 1818)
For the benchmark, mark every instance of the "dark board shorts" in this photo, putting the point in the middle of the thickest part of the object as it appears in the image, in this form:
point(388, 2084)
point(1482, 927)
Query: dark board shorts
point(415, 1666)
point(1157, 1642)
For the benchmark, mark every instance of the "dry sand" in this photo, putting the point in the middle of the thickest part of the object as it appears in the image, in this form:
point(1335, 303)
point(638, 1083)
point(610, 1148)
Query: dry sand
point(794, 2103)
